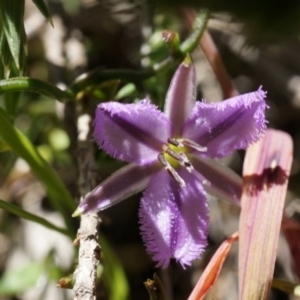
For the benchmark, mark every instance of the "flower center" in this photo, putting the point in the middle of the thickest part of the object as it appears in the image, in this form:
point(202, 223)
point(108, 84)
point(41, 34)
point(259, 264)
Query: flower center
point(175, 154)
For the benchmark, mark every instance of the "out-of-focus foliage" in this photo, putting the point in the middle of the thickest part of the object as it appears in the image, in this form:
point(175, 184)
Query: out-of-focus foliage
point(19, 279)
point(106, 50)
point(265, 21)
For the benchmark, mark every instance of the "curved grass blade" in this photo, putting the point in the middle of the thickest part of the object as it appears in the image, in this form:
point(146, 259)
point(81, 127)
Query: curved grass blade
point(58, 194)
point(18, 211)
point(41, 5)
point(266, 170)
point(34, 85)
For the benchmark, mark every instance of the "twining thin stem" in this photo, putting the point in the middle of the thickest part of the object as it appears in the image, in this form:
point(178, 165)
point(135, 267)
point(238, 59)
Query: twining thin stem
point(212, 54)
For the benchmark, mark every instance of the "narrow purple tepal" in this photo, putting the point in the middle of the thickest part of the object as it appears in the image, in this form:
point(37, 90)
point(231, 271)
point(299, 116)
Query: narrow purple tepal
point(171, 156)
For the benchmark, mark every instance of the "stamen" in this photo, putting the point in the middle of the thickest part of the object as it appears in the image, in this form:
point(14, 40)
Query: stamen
point(182, 158)
point(192, 144)
point(172, 153)
point(187, 162)
point(170, 169)
point(175, 142)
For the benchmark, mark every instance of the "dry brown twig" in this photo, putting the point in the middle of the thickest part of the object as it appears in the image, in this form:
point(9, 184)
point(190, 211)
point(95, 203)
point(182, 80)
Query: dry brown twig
point(85, 274)
point(89, 249)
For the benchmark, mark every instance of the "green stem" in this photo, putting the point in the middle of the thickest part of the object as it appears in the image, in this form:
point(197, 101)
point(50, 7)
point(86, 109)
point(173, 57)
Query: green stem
point(18, 211)
point(99, 75)
point(47, 89)
point(191, 43)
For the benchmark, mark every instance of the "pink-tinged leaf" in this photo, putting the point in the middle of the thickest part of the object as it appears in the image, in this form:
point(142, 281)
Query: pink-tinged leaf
point(266, 170)
point(213, 269)
point(291, 230)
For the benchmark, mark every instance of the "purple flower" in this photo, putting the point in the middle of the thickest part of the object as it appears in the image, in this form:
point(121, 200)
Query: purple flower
point(170, 153)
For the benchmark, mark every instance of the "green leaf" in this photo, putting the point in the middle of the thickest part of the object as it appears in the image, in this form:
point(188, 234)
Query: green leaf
point(18, 211)
point(114, 276)
point(41, 5)
point(17, 280)
point(12, 17)
point(6, 57)
point(19, 143)
point(34, 85)
point(11, 101)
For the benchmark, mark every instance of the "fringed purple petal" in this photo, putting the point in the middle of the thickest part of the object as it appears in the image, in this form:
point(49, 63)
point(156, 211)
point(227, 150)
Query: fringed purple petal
point(174, 220)
point(225, 126)
point(131, 132)
point(221, 181)
point(181, 95)
point(127, 181)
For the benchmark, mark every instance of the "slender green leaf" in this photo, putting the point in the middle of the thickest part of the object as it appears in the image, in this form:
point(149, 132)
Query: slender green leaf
point(23, 54)
point(34, 85)
point(266, 170)
point(12, 17)
point(11, 101)
point(41, 5)
point(18, 211)
point(6, 57)
point(114, 276)
point(58, 194)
